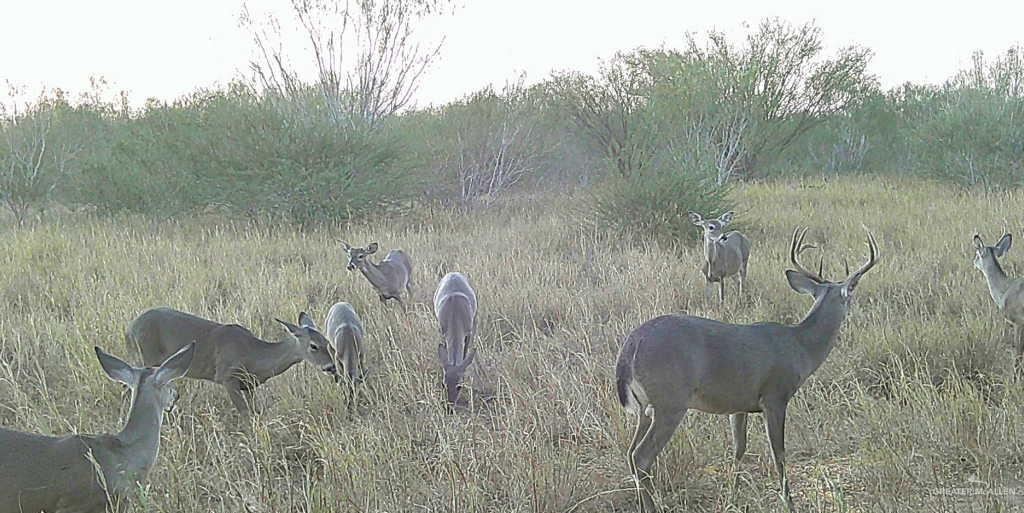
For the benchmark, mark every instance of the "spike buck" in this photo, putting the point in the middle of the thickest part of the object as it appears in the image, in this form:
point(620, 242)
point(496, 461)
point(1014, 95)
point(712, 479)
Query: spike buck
point(92, 473)
point(390, 277)
point(1008, 293)
point(725, 254)
point(455, 308)
point(675, 363)
point(228, 354)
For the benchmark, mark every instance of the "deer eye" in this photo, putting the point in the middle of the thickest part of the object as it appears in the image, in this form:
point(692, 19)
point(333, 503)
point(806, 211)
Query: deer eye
point(314, 348)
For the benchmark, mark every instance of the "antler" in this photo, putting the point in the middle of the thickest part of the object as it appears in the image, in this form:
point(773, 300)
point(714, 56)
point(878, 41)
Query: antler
point(872, 260)
point(798, 247)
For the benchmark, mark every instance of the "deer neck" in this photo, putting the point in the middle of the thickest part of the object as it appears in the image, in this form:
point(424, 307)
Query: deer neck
point(711, 253)
point(139, 440)
point(276, 358)
point(818, 330)
point(373, 273)
point(998, 282)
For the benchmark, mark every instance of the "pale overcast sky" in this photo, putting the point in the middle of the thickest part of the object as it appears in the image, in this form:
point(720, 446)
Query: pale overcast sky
point(167, 48)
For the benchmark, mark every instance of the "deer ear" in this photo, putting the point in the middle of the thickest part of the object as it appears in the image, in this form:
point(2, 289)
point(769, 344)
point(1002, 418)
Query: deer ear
point(978, 243)
point(176, 365)
point(800, 282)
point(296, 331)
point(1004, 244)
point(372, 248)
point(695, 218)
point(304, 320)
point(116, 368)
point(726, 218)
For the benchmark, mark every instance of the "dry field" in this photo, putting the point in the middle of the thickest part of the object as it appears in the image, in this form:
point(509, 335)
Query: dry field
point(915, 410)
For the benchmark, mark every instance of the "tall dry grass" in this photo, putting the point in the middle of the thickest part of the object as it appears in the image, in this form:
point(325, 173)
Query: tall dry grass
point(915, 402)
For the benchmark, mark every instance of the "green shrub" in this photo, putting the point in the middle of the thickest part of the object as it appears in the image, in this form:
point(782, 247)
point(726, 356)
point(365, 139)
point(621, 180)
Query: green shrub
point(656, 202)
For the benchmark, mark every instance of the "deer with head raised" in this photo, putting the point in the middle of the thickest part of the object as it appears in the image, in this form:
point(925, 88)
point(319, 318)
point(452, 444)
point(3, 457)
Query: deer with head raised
point(92, 473)
point(390, 277)
point(228, 354)
point(725, 254)
point(455, 308)
point(675, 363)
point(1007, 292)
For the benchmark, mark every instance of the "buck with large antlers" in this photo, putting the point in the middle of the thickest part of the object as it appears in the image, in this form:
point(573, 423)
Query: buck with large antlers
point(674, 363)
point(455, 308)
point(1008, 293)
point(392, 275)
point(92, 473)
point(228, 354)
point(725, 254)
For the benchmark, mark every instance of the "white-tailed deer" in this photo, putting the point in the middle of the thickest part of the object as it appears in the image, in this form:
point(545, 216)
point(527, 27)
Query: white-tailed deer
point(674, 363)
point(390, 277)
point(344, 331)
point(92, 473)
point(455, 308)
point(1008, 293)
point(725, 254)
point(228, 354)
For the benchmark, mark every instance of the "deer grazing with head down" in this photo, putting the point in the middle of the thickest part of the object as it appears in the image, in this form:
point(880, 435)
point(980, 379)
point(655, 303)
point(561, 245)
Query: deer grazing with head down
point(344, 331)
point(455, 308)
point(1008, 293)
point(92, 473)
point(725, 254)
point(390, 277)
point(228, 354)
point(675, 363)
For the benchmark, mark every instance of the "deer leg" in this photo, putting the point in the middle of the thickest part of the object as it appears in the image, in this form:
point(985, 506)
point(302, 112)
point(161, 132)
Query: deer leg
point(241, 396)
point(775, 424)
point(721, 290)
point(1018, 361)
point(660, 432)
point(643, 425)
point(739, 435)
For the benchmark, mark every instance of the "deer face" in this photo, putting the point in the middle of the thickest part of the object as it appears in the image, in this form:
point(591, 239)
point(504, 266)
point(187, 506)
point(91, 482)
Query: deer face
point(453, 373)
point(357, 256)
point(315, 348)
point(714, 227)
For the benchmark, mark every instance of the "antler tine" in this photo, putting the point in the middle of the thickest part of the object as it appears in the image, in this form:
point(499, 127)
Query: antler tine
point(846, 266)
point(872, 257)
point(796, 248)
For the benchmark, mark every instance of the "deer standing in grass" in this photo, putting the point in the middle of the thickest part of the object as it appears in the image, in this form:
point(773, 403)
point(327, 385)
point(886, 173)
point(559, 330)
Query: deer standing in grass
point(92, 473)
point(344, 331)
point(392, 275)
point(725, 254)
point(455, 308)
point(1008, 293)
point(674, 363)
point(228, 354)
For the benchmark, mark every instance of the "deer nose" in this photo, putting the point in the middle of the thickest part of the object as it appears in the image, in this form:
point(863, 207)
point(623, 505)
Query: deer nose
point(351, 267)
point(331, 369)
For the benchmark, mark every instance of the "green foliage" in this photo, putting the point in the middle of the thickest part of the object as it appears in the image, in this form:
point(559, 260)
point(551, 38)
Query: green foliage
point(656, 202)
point(247, 154)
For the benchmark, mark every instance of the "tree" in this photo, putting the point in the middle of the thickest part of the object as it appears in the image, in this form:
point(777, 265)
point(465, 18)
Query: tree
point(36, 154)
point(368, 60)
